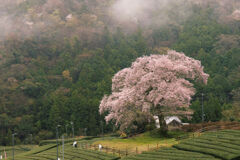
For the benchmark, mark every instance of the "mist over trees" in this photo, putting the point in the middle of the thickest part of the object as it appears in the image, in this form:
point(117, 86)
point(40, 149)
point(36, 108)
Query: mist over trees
point(57, 58)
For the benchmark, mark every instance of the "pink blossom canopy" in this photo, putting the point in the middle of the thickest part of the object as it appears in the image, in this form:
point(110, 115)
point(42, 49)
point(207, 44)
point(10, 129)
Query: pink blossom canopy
point(153, 80)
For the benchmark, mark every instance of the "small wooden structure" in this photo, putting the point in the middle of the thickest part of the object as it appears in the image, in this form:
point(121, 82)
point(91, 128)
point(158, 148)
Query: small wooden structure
point(173, 122)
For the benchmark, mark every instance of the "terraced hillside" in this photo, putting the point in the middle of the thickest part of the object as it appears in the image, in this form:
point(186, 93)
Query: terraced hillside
point(217, 145)
point(171, 154)
point(48, 152)
point(224, 145)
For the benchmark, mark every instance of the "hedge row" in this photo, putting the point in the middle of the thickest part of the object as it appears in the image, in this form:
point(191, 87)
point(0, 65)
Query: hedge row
point(216, 142)
point(75, 153)
point(223, 144)
point(170, 154)
point(39, 150)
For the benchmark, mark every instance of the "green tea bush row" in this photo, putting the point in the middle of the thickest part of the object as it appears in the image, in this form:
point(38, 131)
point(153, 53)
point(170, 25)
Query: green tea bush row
point(99, 153)
point(80, 155)
point(83, 152)
point(222, 137)
point(224, 144)
point(232, 131)
point(170, 154)
point(176, 151)
point(217, 143)
point(29, 158)
point(36, 157)
point(173, 156)
point(39, 149)
point(212, 146)
point(221, 140)
point(160, 157)
point(93, 154)
point(209, 151)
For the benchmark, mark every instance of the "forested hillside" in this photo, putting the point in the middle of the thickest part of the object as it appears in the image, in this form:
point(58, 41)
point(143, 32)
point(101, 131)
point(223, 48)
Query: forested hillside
point(57, 57)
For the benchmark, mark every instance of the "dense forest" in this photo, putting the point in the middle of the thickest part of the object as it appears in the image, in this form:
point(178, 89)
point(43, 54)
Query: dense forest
point(57, 58)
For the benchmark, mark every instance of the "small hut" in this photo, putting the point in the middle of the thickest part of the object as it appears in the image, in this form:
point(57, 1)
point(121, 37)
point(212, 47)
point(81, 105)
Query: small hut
point(173, 122)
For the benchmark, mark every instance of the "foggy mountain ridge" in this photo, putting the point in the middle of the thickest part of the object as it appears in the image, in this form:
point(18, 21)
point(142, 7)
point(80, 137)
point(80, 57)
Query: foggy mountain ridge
point(26, 18)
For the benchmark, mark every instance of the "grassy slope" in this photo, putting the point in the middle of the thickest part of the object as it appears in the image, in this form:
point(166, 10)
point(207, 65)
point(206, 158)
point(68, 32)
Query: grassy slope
point(142, 142)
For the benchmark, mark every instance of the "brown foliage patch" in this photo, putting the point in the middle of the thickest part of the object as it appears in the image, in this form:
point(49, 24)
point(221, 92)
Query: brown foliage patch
point(211, 126)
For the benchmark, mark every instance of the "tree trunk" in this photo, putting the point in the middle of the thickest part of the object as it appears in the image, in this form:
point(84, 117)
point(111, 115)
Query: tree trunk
point(163, 125)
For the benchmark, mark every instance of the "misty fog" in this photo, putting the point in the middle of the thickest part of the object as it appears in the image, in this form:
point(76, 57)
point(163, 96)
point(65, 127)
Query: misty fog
point(26, 18)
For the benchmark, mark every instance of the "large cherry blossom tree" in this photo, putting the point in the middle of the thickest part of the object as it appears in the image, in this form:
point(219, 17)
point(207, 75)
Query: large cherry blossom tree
point(156, 84)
